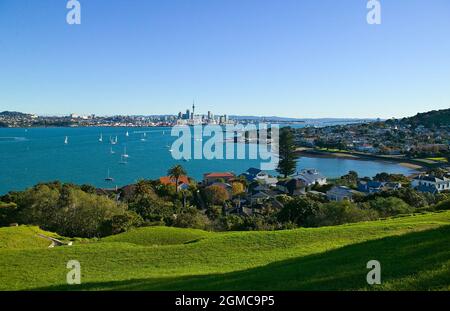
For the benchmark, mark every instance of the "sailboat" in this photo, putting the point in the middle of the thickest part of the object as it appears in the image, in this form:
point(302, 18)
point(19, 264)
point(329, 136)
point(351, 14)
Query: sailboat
point(114, 141)
point(123, 160)
point(125, 155)
point(66, 140)
point(143, 137)
point(109, 178)
point(127, 134)
point(112, 151)
point(101, 138)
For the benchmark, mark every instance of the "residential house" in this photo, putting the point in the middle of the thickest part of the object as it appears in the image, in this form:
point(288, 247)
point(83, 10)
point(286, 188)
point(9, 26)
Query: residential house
point(373, 186)
point(429, 183)
point(259, 198)
point(311, 177)
point(183, 181)
point(370, 186)
point(210, 178)
point(255, 174)
point(292, 186)
point(341, 193)
point(367, 148)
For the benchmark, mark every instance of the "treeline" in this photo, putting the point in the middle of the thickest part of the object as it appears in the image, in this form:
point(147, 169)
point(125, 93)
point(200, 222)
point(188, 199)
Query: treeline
point(83, 211)
point(68, 210)
point(431, 119)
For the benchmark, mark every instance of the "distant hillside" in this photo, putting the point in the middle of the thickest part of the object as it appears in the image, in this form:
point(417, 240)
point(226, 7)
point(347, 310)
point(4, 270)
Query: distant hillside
point(13, 114)
point(436, 118)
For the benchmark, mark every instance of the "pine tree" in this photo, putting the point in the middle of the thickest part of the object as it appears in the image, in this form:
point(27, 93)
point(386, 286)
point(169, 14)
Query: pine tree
point(287, 154)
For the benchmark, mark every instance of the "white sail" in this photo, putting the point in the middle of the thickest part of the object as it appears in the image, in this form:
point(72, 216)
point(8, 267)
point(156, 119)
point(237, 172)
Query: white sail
point(113, 141)
point(66, 140)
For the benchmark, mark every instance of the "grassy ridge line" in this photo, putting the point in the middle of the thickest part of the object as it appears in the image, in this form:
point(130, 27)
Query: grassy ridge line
point(127, 265)
point(24, 237)
point(159, 236)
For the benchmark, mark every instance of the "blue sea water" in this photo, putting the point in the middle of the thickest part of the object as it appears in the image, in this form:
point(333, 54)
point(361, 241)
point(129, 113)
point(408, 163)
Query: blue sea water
point(30, 156)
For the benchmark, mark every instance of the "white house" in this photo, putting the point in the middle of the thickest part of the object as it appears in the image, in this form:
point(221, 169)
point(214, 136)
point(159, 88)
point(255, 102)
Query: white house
point(311, 177)
point(254, 174)
point(340, 193)
point(429, 183)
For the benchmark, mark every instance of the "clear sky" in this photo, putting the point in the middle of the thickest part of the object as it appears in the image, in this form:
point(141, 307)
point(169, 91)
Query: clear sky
point(292, 58)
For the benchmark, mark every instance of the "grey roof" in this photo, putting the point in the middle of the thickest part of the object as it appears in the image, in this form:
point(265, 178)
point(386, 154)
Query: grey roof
point(310, 175)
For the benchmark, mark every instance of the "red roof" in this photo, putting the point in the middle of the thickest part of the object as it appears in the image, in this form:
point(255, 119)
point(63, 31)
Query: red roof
point(167, 180)
point(219, 175)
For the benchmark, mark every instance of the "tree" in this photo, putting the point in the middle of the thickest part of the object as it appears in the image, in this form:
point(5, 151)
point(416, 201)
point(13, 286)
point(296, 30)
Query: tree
point(143, 187)
point(237, 189)
point(216, 194)
point(443, 206)
point(337, 213)
point(390, 206)
point(67, 210)
point(385, 177)
point(192, 218)
point(288, 157)
point(176, 172)
point(120, 223)
point(298, 210)
point(8, 213)
point(349, 180)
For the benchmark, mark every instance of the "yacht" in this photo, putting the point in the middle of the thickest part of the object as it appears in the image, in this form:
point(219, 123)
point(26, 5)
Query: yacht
point(109, 178)
point(125, 155)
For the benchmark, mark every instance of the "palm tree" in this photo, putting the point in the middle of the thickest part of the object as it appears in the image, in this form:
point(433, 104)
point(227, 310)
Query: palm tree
point(176, 172)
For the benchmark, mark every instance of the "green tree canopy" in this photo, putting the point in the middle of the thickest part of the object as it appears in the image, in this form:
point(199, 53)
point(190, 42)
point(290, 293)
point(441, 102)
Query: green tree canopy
point(287, 155)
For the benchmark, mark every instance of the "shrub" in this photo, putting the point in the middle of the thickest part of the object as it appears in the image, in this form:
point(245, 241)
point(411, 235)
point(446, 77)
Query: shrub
point(298, 211)
point(120, 223)
point(390, 206)
point(444, 205)
point(67, 210)
point(8, 213)
point(337, 213)
point(191, 218)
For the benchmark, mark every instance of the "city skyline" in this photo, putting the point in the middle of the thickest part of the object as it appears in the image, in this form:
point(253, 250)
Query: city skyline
point(291, 59)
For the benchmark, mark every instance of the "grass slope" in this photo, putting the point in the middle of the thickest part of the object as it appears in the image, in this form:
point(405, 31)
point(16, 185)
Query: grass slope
point(23, 237)
point(414, 253)
point(159, 236)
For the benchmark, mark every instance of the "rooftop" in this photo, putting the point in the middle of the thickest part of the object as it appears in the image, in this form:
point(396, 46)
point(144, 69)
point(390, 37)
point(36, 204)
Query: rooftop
point(219, 175)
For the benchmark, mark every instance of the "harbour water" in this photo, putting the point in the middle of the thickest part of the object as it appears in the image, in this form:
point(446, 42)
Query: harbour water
point(30, 156)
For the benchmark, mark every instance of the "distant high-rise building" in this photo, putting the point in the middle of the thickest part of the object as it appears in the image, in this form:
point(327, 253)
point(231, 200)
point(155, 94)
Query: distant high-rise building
point(209, 115)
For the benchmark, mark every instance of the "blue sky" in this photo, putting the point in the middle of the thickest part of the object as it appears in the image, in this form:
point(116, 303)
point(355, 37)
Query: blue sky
point(293, 58)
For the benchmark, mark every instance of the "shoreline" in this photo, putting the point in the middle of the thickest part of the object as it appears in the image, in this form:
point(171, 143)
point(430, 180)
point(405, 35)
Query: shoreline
point(312, 153)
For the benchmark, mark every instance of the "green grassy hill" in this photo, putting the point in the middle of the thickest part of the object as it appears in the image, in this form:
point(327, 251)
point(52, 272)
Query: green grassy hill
point(414, 252)
point(23, 237)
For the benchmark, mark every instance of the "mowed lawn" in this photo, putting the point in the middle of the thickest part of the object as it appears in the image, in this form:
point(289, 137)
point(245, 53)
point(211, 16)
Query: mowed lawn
point(414, 252)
